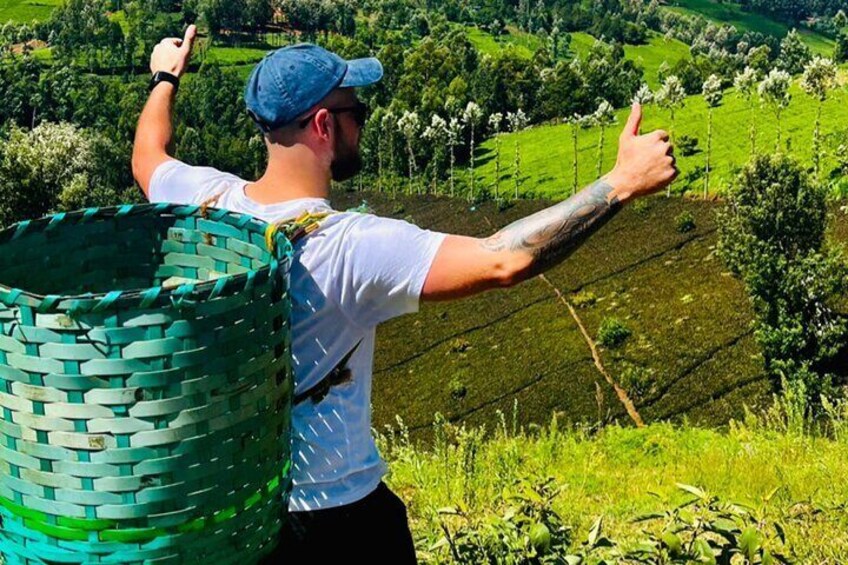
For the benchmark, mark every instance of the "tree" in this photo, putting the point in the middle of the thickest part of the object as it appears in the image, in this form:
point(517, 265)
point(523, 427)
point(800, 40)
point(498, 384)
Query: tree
point(818, 80)
point(746, 87)
point(672, 96)
point(840, 53)
point(409, 125)
point(713, 96)
point(794, 53)
point(772, 236)
point(389, 123)
point(454, 133)
point(517, 121)
point(471, 116)
point(774, 93)
point(495, 122)
point(436, 134)
point(603, 117)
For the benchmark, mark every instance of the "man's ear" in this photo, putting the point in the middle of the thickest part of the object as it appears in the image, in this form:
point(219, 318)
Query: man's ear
point(326, 124)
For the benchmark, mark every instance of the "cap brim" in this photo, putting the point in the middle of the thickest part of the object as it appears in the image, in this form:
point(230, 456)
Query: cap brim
point(362, 72)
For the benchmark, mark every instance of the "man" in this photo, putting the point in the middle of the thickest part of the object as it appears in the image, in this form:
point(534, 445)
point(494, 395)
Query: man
point(359, 270)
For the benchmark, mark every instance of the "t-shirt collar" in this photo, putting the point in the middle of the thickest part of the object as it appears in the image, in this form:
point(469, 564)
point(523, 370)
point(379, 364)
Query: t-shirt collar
point(306, 203)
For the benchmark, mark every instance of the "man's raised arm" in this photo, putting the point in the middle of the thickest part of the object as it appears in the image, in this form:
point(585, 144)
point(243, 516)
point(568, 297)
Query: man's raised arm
point(153, 135)
point(530, 246)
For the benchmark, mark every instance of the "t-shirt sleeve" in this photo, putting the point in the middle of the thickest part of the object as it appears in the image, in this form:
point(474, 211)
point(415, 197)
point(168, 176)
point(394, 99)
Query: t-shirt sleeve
point(384, 264)
point(179, 183)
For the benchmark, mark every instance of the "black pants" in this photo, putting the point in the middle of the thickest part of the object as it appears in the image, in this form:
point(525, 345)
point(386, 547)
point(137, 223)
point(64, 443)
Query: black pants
point(371, 529)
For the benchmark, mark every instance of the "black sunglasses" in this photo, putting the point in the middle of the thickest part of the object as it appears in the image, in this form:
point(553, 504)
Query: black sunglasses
point(360, 113)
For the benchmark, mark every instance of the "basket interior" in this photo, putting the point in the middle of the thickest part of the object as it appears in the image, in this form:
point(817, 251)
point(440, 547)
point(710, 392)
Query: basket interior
point(128, 253)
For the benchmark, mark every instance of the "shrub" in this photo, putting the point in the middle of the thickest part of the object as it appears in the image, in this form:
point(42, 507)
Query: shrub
point(772, 236)
point(583, 299)
point(458, 391)
point(638, 381)
point(685, 222)
point(613, 333)
point(687, 145)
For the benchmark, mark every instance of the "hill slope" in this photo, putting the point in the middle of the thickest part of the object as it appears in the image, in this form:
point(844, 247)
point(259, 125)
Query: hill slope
point(691, 343)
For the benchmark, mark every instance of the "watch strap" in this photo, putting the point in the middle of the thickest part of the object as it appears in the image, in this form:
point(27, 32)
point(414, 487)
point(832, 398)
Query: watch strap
point(163, 76)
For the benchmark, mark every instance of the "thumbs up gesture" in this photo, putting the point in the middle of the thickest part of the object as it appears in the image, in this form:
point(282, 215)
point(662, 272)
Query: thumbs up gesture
point(172, 53)
point(646, 163)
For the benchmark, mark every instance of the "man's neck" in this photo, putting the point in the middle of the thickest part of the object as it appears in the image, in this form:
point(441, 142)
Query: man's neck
point(290, 179)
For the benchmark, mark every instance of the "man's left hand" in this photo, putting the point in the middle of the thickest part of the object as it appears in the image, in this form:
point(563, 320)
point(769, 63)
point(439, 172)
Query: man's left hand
point(172, 54)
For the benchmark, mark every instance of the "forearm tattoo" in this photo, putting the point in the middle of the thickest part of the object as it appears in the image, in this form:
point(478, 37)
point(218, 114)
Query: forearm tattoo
point(553, 234)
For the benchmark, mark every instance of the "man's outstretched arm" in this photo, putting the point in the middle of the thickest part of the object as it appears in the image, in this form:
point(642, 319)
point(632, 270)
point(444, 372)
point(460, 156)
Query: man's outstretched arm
point(154, 132)
point(530, 246)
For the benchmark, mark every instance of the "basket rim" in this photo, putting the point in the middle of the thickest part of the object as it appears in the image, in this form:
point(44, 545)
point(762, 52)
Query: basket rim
point(149, 297)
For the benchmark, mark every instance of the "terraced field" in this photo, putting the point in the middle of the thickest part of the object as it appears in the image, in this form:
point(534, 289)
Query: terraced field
point(690, 325)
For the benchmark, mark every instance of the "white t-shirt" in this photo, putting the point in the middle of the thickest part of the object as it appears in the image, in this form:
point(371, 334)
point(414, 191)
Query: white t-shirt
point(356, 271)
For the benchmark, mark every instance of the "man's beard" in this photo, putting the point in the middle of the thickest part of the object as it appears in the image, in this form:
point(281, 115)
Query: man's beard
point(346, 163)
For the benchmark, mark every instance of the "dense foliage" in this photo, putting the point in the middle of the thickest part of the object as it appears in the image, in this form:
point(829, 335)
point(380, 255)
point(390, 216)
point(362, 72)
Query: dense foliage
point(772, 235)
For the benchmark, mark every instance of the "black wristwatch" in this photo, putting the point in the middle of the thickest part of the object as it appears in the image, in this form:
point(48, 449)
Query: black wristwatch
point(162, 76)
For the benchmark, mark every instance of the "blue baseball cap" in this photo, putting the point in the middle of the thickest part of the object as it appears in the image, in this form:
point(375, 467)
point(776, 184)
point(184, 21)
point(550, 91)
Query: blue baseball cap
point(289, 81)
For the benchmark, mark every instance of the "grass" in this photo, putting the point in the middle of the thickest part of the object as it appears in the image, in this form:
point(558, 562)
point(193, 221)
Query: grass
point(524, 43)
point(796, 479)
point(649, 56)
point(653, 54)
point(732, 14)
point(546, 151)
point(26, 11)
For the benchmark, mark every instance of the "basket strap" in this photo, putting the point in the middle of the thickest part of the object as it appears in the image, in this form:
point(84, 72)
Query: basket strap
point(340, 374)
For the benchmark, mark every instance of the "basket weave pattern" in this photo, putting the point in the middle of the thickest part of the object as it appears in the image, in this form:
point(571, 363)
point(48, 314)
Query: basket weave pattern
point(150, 423)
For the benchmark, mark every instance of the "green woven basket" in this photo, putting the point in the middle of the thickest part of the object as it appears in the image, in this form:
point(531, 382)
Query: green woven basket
point(145, 386)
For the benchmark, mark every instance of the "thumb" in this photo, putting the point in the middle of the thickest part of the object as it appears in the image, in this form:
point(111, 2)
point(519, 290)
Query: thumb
point(631, 129)
point(190, 34)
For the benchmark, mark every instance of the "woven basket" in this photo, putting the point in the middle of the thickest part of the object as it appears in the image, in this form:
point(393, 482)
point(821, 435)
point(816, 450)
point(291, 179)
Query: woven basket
point(145, 386)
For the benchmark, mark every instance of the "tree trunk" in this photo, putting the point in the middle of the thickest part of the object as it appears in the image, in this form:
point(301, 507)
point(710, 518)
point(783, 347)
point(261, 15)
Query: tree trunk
point(709, 152)
point(575, 179)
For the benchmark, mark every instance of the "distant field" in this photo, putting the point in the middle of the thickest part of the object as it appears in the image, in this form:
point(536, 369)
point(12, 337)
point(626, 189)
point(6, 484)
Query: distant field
point(27, 10)
point(649, 56)
point(547, 150)
point(652, 55)
point(732, 14)
point(524, 43)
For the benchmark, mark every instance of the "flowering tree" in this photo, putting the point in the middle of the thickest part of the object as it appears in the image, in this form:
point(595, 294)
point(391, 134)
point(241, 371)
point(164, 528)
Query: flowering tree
point(818, 80)
point(454, 131)
point(471, 117)
point(774, 93)
point(672, 96)
point(517, 121)
point(603, 117)
point(410, 124)
point(436, 133)
point(495, 121)
point(389, 123)
point(746, 87)
point(713, 96)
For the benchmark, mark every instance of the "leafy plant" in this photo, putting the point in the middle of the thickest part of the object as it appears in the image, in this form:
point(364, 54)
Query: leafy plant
point(687, 145)
point(685, 222)
point(707, 530)
point(613, 333)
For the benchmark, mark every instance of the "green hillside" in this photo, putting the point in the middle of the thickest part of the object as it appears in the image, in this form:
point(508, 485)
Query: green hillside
point(25, 11)
point(546, 151)
point(733, 14)
point(652, 55)
point(690, 353)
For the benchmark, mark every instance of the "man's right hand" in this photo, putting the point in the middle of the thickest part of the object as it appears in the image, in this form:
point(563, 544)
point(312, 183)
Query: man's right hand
point(172, 54)
point(646, 163)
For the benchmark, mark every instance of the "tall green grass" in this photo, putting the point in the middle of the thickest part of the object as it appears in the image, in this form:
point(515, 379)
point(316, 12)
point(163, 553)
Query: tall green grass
point(773, 462)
